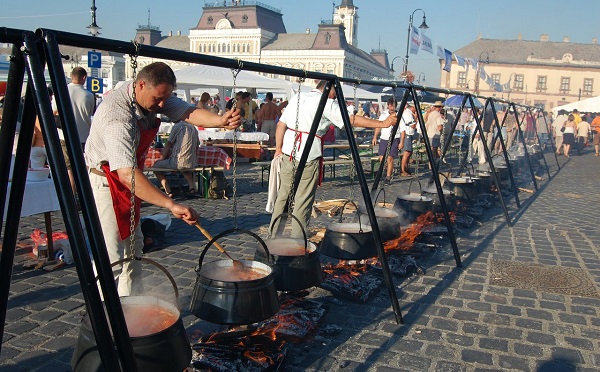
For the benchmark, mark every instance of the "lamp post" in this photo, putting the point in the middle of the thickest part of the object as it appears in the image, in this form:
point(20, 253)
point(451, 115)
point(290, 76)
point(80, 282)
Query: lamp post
point(419, 78)
point(423, 26)
point(94, 28)
point(392, 64)
point(473, 80)
point(479, 62)
point(509, 85)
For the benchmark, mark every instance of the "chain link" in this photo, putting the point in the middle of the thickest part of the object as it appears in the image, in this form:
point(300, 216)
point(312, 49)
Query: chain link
point(235, 73)
point(292, 194)
point(134, 130)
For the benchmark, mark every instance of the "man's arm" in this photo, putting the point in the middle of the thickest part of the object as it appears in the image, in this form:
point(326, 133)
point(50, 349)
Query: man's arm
point(279, 133)
point(364, 122)
point(208, 119)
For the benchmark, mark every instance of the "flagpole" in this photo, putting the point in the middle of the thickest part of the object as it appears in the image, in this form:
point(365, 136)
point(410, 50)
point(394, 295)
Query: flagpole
point(479, 62)
point(423, 26)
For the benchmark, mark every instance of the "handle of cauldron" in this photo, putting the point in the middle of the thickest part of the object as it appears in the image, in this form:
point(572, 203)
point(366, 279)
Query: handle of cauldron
point(227, 232)
point(357, 213)
point(299, 224)
point(158, 266)
point(420, 187)
point(377, 196)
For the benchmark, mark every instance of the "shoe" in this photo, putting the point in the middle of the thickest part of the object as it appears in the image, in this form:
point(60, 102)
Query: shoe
point(192, 194)
point(387, 181)
point(597, 154)
point(406, 174)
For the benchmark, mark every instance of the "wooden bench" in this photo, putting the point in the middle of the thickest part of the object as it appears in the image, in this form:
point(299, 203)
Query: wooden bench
point(203, 173)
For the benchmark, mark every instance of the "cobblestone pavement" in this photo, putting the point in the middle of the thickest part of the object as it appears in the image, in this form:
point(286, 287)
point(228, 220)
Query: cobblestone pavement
point(526, 297)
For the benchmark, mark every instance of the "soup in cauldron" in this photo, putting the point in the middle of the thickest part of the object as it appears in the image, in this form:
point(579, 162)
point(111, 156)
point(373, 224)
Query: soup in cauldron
point(144, 320)
point(233, 274)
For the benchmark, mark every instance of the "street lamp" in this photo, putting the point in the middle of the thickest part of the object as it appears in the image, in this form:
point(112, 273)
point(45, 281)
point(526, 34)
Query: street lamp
point(419, 79)
point(94, 28)
point(423, 26)
point(473, 80)
point(479, 62)
point(392, 66)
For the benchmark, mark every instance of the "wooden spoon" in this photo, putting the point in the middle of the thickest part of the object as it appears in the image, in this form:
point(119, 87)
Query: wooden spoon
point(236, 263)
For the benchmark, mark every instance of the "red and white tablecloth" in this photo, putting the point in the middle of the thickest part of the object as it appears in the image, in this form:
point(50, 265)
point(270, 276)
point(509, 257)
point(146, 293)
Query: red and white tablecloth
point(208, 156)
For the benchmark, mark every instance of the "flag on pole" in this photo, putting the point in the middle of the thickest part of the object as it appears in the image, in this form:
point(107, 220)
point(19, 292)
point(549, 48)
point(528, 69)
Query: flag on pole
point(440, 52)
point(426, 44)
point(482, 74)
point(460, 60)
point(448, 58)
point(415, 40)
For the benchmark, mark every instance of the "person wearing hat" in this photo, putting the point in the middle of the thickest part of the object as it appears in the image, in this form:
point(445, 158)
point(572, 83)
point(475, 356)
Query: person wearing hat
point(434, 122)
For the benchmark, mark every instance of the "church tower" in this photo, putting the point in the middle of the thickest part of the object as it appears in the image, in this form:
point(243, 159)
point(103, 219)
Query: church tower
point(346, 14)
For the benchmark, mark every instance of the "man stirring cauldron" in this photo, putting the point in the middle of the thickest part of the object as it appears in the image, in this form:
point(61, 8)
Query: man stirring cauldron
point(286, 137)
point(109, 154)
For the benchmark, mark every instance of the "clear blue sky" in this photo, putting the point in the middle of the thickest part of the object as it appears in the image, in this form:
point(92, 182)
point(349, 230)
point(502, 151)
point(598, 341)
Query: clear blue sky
point(383, 23)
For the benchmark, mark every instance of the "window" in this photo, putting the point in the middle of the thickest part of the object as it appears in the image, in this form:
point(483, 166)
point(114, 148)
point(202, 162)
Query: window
point(588, 86)
point(565, 84)
point(210, 20)
point(104, 74)
point(462, 79)
point(244, 18)
point(519, 82)
point(496, 78)
point(541, 83)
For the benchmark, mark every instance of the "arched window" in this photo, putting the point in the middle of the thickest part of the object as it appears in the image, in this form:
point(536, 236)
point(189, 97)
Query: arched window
point(244, 18)
point(223, 48)
point(327, 38)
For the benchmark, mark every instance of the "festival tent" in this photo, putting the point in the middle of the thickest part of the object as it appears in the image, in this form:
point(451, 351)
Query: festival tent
point(204, 76)
point(455, 101)
point(587, 105)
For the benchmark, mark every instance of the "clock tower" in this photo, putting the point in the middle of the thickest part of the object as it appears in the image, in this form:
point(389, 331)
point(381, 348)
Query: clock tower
point(346, 14)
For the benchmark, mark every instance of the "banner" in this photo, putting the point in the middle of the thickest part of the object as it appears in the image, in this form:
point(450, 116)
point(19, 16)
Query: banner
point(448, 58)
point(440, 52)
point(482, 74)
point(460, 60)
point(415, 40)
point(498, 87)
point(426, 44)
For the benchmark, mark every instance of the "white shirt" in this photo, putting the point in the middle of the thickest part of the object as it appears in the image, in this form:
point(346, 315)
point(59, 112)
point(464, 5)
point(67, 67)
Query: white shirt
point(385, 132)
point(309, 102)
point(407, 120)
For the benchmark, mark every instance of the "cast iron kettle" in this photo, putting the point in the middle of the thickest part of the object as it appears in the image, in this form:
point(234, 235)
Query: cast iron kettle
point(234, 301)
point(388, 219)
point(411, 206)
point(164, 351)
point(292, 271)
point(348, 241)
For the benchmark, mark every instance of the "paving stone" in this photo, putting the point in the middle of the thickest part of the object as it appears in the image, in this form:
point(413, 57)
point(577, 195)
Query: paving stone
point(529, 324)
point(475, 356)
point(495, 344)
point(528, 350)
point(541, 338)
point(475, 328)
point(511, 333)
point(571, 318)
point(514, 363)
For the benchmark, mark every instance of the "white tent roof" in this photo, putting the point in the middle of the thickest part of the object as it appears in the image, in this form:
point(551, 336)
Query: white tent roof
point(194, 77)
point(586, 105)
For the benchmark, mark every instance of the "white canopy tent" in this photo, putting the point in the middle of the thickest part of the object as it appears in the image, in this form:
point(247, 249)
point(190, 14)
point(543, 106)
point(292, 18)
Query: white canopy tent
point(587, 105)
point(204, 76)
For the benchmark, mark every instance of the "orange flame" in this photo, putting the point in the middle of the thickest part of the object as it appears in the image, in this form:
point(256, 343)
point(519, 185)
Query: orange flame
point(409, 235)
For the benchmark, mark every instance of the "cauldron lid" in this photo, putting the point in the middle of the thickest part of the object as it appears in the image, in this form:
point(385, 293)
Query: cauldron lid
point(414, 197)
point(348, 227)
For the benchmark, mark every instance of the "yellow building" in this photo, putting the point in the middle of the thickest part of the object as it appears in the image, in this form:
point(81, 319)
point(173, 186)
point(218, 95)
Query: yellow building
point(541, 73)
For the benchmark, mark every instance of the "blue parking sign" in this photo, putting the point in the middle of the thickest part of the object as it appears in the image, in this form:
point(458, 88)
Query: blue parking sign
point(95, 85)
point(94, 59)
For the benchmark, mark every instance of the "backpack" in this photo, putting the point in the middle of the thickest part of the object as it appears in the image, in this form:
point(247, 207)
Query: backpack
point(154, 234)
point(219, 187)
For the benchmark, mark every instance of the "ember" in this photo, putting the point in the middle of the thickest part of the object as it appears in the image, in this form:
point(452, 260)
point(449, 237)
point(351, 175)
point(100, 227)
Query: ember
point(261, 346)
point(409, 235)
point(356, 282)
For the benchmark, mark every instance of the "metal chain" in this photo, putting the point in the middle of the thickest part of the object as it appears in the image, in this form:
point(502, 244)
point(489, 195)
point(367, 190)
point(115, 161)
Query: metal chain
point(352, 167)
point(292, 194)
point(235, 73)
point(134, 130)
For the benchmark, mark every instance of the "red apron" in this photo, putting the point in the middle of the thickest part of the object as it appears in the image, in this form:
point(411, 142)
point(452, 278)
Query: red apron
point(121, 195)
point(298, 140)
